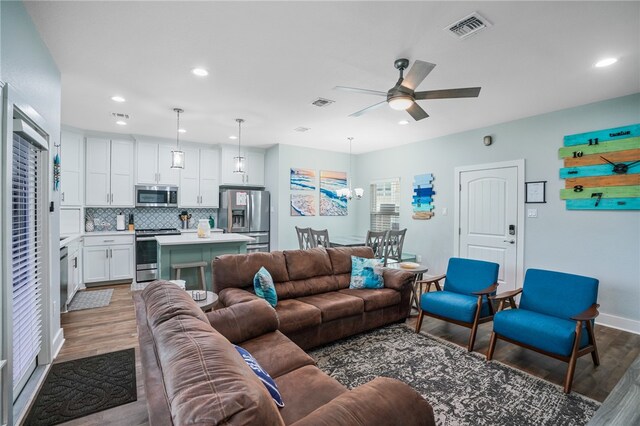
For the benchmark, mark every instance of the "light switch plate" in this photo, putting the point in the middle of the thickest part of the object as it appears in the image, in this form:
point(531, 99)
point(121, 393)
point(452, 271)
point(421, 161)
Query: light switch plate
point(532, 212)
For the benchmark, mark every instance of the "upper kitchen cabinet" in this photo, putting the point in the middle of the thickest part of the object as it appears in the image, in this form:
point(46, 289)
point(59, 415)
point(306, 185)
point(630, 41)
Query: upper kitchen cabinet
point(153, 164)
point(254, 167)
point(199, 178)
point(71, 168)
point(109, 173)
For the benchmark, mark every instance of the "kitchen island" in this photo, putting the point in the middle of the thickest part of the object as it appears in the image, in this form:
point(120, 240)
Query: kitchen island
point(188, 248)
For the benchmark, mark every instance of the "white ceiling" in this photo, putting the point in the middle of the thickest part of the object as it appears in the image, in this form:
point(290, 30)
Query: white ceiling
point(269, 60)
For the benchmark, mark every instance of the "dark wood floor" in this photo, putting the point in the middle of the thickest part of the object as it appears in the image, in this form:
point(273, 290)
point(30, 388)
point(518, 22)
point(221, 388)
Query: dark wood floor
point(101, 330)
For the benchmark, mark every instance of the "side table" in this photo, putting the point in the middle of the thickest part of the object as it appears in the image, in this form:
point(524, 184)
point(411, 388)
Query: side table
point(417, 276)
point(205, 304)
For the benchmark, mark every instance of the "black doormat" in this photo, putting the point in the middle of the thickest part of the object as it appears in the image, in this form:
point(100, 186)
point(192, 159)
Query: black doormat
point(85, 386)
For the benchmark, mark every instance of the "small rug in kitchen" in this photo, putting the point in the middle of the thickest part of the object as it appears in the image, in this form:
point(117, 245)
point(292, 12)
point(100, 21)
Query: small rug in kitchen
point(88, 299)
point(85, 386)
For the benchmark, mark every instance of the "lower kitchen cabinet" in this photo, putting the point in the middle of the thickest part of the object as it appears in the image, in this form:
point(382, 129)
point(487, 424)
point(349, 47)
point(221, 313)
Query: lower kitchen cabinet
point(108, 258)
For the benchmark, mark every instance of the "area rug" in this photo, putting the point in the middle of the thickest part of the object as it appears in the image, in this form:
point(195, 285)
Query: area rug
point(462, 387)
point(90, 299)
point(85, 386)
point(135, 286)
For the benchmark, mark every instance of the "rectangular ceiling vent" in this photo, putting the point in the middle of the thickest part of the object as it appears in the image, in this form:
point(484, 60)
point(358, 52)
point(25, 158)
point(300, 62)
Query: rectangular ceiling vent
point(120, 115)
point(468, 26)
point(322, 102)
point(301, 129)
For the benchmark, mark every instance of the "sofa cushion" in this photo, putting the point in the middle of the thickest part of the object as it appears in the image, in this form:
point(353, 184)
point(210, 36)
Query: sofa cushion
point(549, 333)
point(459, 307)
point(264, 377)
point(295, 315)
point(366, 273)
point(335, 305)
point(238, 270)
point(302, 264)
point(304, 390)
point(277, 354)
point(375, 299)
point(341, 257)
point(306, 287)
point(164, 302)
point(264, 288)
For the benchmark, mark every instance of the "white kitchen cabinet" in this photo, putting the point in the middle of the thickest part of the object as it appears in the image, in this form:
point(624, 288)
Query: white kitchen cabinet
point(109, 173)
point(74, 268)
point(153, 164)
point(120, 265)
point(71, 168)
point(96, 264)
point(199, 178)
point(254, 167)
point(108, 258)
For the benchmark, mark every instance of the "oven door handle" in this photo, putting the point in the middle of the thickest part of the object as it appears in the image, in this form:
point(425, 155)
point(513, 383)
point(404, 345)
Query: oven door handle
point(145, 238)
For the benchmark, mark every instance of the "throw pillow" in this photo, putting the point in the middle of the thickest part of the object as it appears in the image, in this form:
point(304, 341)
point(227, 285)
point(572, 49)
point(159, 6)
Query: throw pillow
point(264, 377)
point(366, 273)
point(264, 288)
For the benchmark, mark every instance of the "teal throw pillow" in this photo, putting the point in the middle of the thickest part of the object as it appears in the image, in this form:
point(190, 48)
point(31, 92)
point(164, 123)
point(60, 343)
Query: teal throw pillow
point(264, 288)
point(366, 273)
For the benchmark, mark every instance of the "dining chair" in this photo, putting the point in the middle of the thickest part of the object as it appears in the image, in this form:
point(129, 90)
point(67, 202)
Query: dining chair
point(377, 240)
point(304, 238)
point(320, 238)
point(394, 243)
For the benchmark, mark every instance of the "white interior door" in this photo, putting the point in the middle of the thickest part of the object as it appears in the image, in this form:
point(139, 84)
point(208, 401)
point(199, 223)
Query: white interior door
point(489, 220)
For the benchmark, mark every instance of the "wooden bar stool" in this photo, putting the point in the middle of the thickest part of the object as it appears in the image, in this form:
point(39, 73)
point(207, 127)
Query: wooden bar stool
point(178, 267)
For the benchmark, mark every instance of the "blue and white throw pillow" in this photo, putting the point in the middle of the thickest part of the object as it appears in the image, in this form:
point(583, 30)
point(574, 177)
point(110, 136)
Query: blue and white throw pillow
point(264, 377)
point(366, 273)
point(263, 286)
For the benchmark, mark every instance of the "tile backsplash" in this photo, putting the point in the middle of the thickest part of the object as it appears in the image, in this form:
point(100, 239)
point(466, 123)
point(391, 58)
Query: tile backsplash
point(149, 217)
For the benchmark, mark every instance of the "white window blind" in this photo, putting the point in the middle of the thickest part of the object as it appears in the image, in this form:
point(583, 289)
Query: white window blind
point(26, 259)
point(385, 205)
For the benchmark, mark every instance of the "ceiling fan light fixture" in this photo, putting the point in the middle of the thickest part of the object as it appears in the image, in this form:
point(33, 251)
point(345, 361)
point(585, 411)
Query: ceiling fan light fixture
point(401, 103)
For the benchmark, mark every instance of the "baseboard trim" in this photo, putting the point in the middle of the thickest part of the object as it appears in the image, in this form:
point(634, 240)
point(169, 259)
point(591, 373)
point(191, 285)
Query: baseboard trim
point(624, 324)
point(58, 341)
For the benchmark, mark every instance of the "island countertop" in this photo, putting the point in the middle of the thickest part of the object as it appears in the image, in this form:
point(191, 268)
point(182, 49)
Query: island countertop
point(192, 238)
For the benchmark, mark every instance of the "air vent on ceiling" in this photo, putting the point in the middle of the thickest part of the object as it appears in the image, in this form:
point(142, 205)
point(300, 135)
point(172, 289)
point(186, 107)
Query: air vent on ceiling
point(322, 102)
point(120, 115)
point(468, 26)
point(301, 129)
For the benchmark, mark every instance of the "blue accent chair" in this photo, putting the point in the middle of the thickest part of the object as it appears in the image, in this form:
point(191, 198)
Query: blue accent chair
point(464, 300)
point(555, 317)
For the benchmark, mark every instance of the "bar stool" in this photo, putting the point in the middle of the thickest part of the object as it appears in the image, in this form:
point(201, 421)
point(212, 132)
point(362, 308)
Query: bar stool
point(178, 267)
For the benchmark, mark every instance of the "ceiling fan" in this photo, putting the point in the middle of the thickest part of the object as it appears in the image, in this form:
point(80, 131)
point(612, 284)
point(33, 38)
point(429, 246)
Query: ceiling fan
point(403, 96)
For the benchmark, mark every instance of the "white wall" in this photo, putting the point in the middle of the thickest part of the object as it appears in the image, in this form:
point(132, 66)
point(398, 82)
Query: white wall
point(280, 159)
point(602, 244)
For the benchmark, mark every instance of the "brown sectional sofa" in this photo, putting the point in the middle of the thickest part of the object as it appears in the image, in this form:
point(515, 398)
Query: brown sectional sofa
point(194, 376)
point(315, 305)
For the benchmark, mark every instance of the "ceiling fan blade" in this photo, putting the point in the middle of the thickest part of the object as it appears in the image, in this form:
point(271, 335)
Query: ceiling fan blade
point(367, 109)
point(364, 91)
point(467, 92)
point(418, 72)
point(417, 112)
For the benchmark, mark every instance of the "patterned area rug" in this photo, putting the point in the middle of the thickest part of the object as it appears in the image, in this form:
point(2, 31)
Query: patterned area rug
point(135, 286)
point(85, 386)
point(462, 387)
point(90, 299)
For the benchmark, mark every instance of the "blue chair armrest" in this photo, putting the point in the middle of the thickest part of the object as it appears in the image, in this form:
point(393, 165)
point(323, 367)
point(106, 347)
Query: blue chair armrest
point(491, 289)
point(588, 314)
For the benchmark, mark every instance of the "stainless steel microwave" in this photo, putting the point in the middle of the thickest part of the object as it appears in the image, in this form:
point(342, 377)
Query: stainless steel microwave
point(156, 196)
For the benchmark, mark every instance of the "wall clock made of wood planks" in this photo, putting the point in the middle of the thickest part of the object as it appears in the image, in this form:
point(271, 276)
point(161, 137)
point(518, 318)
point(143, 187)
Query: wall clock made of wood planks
point(602, 169)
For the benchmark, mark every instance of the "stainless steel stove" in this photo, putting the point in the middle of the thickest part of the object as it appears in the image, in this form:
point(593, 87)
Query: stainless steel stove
point(147, 252)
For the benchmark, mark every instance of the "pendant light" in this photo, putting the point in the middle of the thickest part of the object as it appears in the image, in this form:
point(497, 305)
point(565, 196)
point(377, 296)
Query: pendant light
point(177, 156)
point(239, 160)
point(348, 192)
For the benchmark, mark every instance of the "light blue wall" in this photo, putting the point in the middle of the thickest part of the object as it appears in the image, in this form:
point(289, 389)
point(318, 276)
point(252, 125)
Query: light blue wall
point(602, 244)
point(279, 160)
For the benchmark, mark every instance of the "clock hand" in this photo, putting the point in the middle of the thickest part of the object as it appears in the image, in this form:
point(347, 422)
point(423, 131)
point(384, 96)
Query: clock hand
point(633, 164)
point(613, 164)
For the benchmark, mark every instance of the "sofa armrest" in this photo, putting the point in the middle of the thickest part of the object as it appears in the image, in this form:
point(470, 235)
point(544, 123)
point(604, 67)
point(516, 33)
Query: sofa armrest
point(244, 321)
point(381, 401)
point(231, 296)
point(397, 279)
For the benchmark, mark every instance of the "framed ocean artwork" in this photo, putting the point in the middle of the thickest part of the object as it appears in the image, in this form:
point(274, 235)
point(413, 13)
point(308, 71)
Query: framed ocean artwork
point(303, 205)
point(330, 203)
point(303, 179)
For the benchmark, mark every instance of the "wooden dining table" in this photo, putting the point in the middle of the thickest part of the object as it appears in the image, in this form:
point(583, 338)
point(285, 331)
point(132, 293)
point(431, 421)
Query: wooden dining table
point(359, 240)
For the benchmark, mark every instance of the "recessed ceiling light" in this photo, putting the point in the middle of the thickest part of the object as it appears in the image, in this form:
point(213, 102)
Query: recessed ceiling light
point(403, 122)
point(233, 137)
point(118, 99)
point(606, 62)
point(200, 72)
point(182, 130)
point(121, 123)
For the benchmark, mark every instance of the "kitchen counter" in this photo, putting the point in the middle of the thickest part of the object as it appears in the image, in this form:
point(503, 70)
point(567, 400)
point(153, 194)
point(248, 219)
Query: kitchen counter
point(190, 238)
point(192, 230)
point(65, 240)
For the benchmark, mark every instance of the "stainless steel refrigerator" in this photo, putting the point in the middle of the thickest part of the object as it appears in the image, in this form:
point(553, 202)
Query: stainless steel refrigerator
point(246, 212)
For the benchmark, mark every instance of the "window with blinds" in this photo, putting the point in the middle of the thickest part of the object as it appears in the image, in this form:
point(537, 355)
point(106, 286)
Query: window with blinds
point(385, 205)
point(26, 261)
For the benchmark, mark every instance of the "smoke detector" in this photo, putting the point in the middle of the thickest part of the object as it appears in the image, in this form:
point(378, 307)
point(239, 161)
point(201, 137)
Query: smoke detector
point(467, 26)
point(301, 129)
point(322, 102)
point(120, 115)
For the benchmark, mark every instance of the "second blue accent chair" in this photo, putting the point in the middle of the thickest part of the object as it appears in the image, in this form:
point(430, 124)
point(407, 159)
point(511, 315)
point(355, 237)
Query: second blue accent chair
point(464, 300)
point(555, 317)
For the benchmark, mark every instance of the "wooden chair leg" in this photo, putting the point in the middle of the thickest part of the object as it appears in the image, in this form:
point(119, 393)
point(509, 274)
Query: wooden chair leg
point(474, 327)
point(594, 355)
point(492, 345)
point(419, 322)
point(203, 283)
point(568, 380)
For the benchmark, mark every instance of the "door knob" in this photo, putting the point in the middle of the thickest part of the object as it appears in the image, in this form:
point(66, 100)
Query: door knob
point(510, 241)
